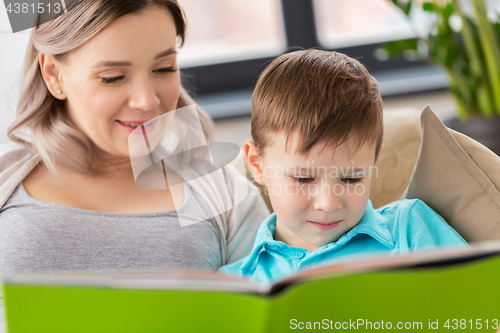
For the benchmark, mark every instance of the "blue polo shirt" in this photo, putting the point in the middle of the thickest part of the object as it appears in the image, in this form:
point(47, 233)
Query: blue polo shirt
point(404, 226)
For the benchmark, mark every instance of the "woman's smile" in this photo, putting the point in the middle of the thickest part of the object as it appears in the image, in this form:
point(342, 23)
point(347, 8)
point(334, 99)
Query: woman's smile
point(146, 126)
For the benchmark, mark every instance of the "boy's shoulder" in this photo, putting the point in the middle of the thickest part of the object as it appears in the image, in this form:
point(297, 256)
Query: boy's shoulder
point(413, 222)
point(403, 204)
point(234, 268)
point(404, 211)
point(399, 213)
point(265, 235)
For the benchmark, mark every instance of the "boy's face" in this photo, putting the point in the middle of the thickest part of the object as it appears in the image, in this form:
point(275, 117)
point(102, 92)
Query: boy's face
point(316, 197)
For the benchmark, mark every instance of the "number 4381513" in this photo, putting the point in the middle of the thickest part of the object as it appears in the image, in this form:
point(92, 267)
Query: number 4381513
point(40, 8)
point(477, 324)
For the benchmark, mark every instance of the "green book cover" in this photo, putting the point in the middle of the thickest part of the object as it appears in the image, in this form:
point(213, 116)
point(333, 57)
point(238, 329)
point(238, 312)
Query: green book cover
point(454, 290)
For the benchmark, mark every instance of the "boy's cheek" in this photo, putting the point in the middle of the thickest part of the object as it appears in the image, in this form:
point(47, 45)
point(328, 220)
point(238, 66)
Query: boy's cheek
point(359, 192)
point(286, 190)
point(286, 199)
point(358, 206)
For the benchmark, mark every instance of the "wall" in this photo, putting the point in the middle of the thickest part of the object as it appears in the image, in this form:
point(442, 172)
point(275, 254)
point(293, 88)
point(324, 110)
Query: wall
point(12, 48)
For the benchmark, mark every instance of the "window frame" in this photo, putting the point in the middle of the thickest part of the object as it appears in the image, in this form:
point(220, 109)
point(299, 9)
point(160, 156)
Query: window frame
point(300, 32)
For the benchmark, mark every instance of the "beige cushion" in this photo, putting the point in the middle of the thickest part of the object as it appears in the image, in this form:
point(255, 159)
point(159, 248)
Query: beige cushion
point(459, 178)
point(397, 158)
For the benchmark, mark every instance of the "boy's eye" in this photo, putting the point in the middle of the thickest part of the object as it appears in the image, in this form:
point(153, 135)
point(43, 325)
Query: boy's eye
point(302, 180)
point(351, 180)
point(108, 80)
point(165, 70)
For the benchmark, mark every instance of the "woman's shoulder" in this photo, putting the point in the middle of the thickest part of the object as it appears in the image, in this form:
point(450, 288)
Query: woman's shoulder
point(12, 152)
point(9, 147)
point(16, 162)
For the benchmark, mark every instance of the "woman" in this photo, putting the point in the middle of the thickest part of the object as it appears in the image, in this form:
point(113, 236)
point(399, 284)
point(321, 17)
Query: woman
point(68, 194)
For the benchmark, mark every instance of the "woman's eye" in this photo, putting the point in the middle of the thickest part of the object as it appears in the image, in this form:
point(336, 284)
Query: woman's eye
point(351, 180)
point(303, 180)
point(165, 70)
point(108, 80)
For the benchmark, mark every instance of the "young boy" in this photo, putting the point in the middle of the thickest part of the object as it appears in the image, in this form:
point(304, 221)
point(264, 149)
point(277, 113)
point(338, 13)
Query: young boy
point(317, 131)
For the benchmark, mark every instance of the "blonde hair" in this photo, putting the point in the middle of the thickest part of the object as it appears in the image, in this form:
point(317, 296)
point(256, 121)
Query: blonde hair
point(323, 96)
point(42, 121)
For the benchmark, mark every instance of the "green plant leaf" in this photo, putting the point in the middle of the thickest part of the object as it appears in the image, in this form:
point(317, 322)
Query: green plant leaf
point(396, 48)
point(448, 11)
point(428, 6)
point(470, 57)
point(491, 50)
point(405, 6)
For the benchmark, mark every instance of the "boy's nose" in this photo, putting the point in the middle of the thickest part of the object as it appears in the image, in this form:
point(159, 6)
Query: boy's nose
point(327, 200)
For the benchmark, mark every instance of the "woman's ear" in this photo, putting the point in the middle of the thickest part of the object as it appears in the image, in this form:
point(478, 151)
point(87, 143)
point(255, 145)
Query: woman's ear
point(253, 161)
point(50, 69)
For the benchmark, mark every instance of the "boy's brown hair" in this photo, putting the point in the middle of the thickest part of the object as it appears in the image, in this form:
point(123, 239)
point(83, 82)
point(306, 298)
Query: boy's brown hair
point(323, 96)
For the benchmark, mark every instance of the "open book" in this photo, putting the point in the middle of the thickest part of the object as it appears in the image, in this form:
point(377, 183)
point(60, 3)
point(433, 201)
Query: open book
point(428, 290)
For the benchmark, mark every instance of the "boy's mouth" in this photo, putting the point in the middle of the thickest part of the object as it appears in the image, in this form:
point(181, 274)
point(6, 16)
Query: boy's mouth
point(325, 225)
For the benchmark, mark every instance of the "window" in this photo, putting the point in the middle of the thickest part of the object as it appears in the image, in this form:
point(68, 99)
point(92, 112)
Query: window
point(229, 43)
point(227, 30)
point(343, 23)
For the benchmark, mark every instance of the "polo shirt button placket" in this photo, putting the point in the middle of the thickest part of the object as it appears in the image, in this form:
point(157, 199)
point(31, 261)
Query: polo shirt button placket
point(300, 255)
point(273, 247)
point(305, 268)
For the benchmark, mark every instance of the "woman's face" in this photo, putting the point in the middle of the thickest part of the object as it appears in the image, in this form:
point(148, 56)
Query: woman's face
point(124, 76)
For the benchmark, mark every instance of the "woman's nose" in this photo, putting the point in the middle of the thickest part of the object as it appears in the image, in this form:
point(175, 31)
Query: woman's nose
point(143, 96)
